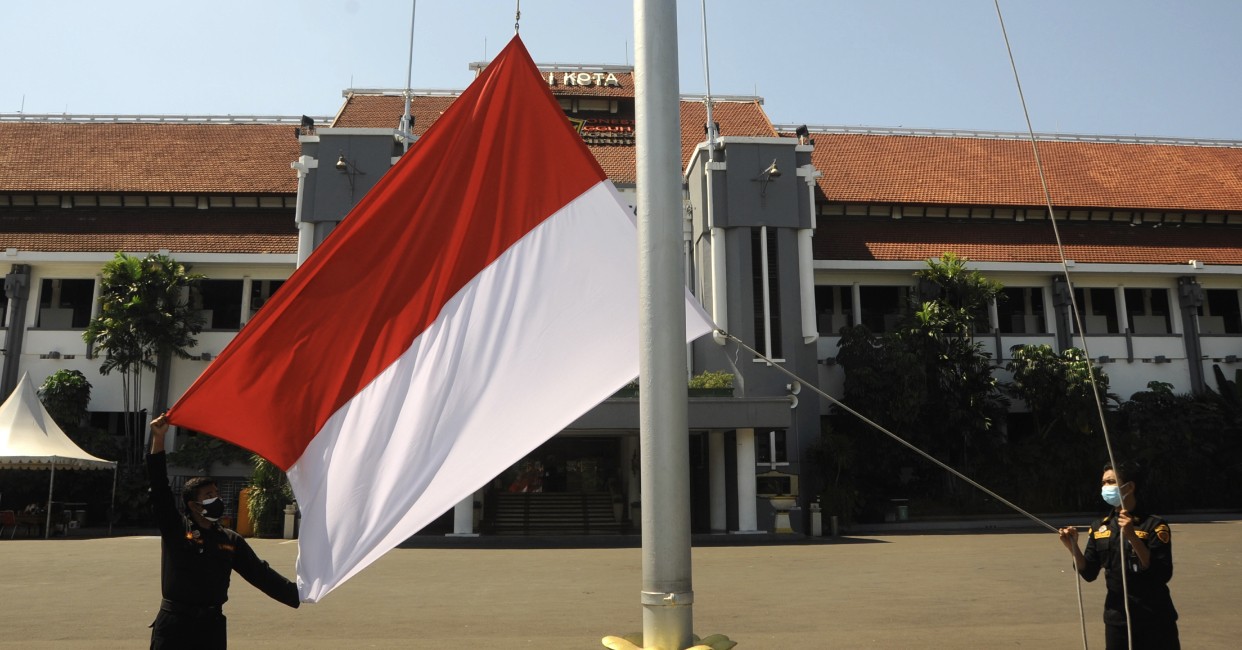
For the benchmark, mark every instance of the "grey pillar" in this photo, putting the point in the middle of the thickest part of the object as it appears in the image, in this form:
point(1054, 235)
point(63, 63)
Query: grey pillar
point(17, 289)
point(1190, 299)
point(717, 483)
point(1063, 313)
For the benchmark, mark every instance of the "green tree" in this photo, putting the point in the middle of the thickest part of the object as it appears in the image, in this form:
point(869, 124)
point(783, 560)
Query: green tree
point(1064, 430)
point(928, 381)
point(66, 394)
point(144, 321)
point(1057, 388)
point(1182, 438)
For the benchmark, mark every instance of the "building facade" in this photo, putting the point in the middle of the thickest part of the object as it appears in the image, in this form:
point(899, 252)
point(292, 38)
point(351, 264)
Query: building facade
point(789, 236)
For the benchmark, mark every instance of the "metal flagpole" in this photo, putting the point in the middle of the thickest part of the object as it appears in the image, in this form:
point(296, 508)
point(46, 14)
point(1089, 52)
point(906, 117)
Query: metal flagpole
point(407, 125)
point(664, 446)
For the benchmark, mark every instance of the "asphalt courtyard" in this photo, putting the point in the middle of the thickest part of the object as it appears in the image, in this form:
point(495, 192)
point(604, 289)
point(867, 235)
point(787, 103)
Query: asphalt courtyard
point(963, 589)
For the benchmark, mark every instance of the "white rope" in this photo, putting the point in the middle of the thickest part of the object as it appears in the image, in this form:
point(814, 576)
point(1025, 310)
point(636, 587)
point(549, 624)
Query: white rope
point(814, 387)
point(881, 429)
point(1082, 335)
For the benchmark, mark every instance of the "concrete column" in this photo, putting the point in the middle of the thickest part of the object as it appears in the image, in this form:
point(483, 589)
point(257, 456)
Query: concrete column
point(17, 289)
point(716, 478)
point(747, 517)
point(629, 445)
point(247, 286)
point(856, 302)
point(463, 518)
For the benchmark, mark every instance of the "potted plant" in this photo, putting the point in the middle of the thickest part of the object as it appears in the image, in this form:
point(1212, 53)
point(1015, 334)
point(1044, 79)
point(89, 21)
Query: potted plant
point(267, 495)
point(629, 390)
point(712, 383)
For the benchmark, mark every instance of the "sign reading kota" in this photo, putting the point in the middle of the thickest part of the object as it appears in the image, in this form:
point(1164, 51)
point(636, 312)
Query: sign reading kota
point(599, 79)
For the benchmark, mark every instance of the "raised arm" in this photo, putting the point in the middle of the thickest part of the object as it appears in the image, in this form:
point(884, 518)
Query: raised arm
point(159, 429)
point(163, 506)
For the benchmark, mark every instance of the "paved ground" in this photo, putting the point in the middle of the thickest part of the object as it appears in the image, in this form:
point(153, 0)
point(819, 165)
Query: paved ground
point(931, 590)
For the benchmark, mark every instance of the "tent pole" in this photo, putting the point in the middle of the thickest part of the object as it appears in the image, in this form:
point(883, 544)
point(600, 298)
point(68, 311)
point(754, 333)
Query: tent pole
point(47, 530)
point(112, 505)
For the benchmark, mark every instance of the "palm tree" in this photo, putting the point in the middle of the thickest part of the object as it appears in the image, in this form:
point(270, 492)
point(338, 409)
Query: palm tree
point(144, 320)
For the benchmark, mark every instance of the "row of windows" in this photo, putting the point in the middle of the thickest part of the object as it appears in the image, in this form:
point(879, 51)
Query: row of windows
point(145, 201)
point(1023, 310)
point(68, 303)
point(1022, 214)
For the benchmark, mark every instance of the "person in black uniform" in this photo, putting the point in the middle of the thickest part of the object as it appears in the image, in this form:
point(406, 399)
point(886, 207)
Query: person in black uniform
point(1148, 552)
point(198, 556)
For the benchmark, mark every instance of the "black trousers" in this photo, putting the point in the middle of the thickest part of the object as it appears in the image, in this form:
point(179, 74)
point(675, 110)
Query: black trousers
point(180, 631)
point(1161, 635)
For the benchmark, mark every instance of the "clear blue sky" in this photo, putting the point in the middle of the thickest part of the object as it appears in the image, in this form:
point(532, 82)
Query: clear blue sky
point(1123, 67)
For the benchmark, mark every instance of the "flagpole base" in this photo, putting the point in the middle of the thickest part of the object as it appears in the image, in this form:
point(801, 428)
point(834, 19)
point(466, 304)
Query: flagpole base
point(634, 641)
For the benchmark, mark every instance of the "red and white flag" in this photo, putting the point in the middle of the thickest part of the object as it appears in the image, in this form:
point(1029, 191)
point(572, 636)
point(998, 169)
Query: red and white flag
point(476, 302)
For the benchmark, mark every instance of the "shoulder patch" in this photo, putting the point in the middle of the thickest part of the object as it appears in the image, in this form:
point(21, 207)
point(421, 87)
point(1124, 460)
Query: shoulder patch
point(1163, 533)
point(1102, 533)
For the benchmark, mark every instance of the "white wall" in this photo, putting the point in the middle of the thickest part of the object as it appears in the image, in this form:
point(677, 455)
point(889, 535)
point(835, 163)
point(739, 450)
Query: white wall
point(106, 391)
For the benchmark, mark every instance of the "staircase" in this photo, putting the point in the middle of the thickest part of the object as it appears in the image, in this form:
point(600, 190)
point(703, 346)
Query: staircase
point(552, 513)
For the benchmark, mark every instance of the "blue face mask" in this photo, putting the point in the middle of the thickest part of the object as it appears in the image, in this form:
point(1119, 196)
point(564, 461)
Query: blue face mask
point(1111, 495)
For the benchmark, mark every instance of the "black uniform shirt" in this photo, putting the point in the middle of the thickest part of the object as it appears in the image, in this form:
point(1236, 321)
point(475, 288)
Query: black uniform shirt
point(197, 563)
point(1148, 588)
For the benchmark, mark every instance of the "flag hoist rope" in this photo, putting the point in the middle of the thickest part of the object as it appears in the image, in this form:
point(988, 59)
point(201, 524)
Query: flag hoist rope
point(1095, 392)
point(719, 334)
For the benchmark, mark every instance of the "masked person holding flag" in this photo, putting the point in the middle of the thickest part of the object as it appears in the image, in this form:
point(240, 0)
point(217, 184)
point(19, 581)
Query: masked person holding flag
point(198, 558)
point(1147, 549)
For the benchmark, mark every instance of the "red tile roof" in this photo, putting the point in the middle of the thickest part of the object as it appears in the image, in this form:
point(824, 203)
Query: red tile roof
point(743, 119)
point(147, 157)
point(148, 229)
point(735, 118)
point(885, 239)
point(984, 171)
point(384, 111)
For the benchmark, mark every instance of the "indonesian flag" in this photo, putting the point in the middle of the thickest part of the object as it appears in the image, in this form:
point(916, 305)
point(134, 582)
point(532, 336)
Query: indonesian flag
point(476, 302)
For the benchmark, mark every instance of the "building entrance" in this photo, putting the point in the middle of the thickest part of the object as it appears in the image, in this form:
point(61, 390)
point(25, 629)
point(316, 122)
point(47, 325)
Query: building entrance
point(569, 485)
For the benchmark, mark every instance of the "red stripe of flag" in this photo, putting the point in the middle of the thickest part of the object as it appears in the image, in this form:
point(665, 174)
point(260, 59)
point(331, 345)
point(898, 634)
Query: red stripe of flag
point(425, 230)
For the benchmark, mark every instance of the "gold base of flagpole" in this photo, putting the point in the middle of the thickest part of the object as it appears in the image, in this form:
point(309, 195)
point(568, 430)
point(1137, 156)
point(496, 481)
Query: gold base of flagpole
point(635, 642)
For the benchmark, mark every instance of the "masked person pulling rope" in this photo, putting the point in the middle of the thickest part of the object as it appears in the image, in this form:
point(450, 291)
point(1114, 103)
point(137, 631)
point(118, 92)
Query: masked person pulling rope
point(198, 558)
point(1148, 565)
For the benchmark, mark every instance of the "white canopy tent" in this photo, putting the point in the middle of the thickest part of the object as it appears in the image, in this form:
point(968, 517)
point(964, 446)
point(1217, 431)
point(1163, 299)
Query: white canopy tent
point(30, 439)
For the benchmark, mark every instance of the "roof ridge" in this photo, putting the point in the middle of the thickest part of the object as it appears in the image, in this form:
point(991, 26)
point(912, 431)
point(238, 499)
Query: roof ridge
point(1014, 135)
point(86, 118)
